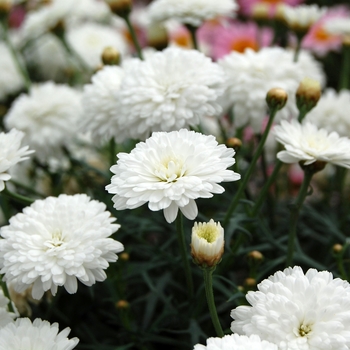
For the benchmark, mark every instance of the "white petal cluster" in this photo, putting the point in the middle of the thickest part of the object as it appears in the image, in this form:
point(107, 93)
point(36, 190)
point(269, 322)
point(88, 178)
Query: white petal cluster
point(48, 116)
point(89, 40)
point(5, 316)
point(39, 335)
point(193, 12)
point(169, 171)
point(338, 26)
point(250, 75)
point(298, 311)
point(302, 17)
point(11, 153)
point(170, 90)
point(57, 241)
point(207, 243)
point(332, 112)
point(306, 143)
point(11, 80)
point(101, 105)
point(236, 342)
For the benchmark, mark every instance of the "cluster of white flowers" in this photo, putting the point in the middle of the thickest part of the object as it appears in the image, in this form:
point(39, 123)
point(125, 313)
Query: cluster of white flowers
point(48, 116)
point(171, 170)
point(193, 12)
point(250, 75)
point(56, 241)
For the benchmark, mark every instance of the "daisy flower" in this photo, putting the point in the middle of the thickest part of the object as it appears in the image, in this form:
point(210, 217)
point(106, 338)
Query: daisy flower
point(236, 342)
point(169, 171)
point(339, 26)
point(193, 12)
point(11, 153)
point(39, 335)
point(298, 311)
point(57, 241)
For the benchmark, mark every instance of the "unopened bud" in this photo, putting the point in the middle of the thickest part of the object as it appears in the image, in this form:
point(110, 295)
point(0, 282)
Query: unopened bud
point(124, 256)
point(121, 8)
point(157, 36)
point(255, 255)
point(207, 244)
point(110, 56)
point(250, 282)
point(308, 94)
point(346, 40)
point(260, 12)
point(234, 143)
point(276, 98)
point(337, 248)
point(5, 7)
point(122, 304)
point(313, 167)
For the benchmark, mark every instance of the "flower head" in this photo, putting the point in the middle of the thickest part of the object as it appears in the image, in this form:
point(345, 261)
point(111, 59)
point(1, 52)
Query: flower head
point(39, 335)
point(207, 245)
point(56, 241)
point(236, 342)
point(338, 26)
point(298, 311)
point(169, 171)
point(11, 153)
point(48, 116)
point(170, 90)
point(193, 12)
point(307, 144)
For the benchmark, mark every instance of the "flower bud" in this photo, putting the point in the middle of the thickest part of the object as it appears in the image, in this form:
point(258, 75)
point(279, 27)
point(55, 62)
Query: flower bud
point(308, 94)
point(276, 98)
point(110, 56)
point(121, 8)
point(250, 283)
point(234, 143)
point(122, 305)
point(260, 12)
point(255, 256)
point(124, 256)
point(337, 248)
point(5, 7)
point(157, 36)
point(207, 244)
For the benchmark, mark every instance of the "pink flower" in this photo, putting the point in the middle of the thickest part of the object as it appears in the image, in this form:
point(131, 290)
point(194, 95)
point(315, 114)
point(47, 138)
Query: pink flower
point(318, 40)
point(237, 36)
point(246, 6)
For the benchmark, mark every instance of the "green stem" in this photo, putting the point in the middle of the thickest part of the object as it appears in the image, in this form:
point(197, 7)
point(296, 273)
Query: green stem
point(183, 250)
point(249, 172)
point(266, 187)
point(297, 49)
point(193, 31)
point(302, 113)
point(21, 67)
point(7, 295)
point(133, 36)
point(17, 197)
point(208, 283)
point(112, 152)
point(344, 82)
point(295, 210)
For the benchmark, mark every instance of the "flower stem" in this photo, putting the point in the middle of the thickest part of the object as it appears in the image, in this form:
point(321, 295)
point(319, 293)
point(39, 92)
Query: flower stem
point(295, 210)
point(183, 250)
point(193, 31)
point(344, 82)
point(297, 49)
point(20, 66)
point(133, 36)
point(249, 172)
point(7, 295)
point(208, 283)
point(17, 197)
point(302, 114)
point(266, 187)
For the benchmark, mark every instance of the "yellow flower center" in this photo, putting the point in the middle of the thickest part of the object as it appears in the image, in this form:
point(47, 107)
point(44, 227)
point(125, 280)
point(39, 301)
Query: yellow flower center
point(304, 330)
point(170, 170)
point(207, 232)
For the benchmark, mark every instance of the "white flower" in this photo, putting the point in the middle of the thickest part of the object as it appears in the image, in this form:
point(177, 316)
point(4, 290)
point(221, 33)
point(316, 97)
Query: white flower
point(250, 75)
point(338, 26)
point(102, 106)
point(11, 80)
point(331, 112)
point(193, 12)
point(236, 342)
point(90, 39)
point(306, 143)
point(5, 316)
point(169, 171)
point(56, 241)
point(302, 17)
point(11, 153)
point(207, 243)
point(297, 311)
point(170, 90)
point(48, 116)
point(39, 335)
